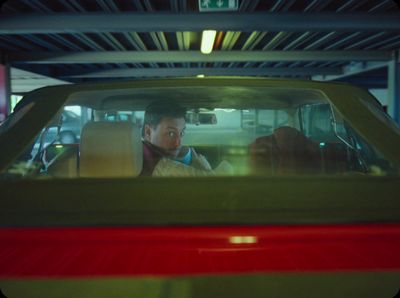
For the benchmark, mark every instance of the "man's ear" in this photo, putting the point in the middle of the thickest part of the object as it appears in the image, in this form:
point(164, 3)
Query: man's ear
point(147, 132)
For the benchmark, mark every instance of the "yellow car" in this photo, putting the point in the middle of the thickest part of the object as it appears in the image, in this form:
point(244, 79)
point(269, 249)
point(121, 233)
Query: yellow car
point(275, 188)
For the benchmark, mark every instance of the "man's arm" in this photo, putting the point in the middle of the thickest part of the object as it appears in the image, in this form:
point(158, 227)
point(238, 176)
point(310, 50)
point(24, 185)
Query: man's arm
point(170, 168)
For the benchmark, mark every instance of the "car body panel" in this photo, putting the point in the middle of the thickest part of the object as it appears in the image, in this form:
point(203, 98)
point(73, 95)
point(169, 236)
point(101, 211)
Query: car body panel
point(278, 284)
point(171, 251)
point(200, 201)
point(307, 260)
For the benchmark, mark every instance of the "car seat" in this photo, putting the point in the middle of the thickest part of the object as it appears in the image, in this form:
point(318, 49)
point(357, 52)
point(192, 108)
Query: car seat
point(286, 151)
point(64, 165)
point(110, 149)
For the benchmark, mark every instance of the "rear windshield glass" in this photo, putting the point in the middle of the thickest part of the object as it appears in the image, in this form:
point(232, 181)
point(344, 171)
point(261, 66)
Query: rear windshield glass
point(198, 131)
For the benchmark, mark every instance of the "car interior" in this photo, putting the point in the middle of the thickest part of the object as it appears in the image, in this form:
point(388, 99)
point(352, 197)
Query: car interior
point(258, 131)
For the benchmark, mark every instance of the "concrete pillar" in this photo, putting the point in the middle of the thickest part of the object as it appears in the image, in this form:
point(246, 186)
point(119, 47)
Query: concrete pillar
point(4, 91)
point(394, 88)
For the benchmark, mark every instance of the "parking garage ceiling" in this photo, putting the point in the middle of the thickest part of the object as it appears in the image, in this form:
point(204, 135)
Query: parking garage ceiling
point(94, 40)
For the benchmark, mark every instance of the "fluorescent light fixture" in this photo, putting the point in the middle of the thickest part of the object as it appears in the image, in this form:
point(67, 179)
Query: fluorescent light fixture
point(207, 41)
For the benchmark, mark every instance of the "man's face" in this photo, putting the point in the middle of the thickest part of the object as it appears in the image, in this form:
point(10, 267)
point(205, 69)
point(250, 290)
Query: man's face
point(167, 135)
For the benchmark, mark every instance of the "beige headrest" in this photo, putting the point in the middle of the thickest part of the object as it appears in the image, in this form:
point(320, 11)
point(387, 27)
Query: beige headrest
point(110, 149)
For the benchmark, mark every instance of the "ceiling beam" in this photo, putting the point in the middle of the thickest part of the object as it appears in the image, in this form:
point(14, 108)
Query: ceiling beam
point(195, 56)
point(352, 69)
point(27, 23)
point(366, 82)
point(177, 72)
point(25, 81)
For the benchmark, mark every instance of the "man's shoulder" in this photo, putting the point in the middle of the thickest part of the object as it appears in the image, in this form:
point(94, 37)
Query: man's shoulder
point(151, 156)
point(151, 150)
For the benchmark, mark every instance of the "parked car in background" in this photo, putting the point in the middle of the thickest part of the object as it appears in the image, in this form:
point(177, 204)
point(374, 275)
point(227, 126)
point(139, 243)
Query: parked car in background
point(71, 127)
point(67, 131)
point(311, 208)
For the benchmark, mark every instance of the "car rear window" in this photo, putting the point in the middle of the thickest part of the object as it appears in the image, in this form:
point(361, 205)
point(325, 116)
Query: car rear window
point(231, 131)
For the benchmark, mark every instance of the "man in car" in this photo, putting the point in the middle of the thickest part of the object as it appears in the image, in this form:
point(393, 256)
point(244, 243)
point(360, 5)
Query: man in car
point(163, 154)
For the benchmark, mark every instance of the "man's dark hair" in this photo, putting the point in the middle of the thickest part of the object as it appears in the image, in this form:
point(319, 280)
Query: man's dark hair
point(161, 109)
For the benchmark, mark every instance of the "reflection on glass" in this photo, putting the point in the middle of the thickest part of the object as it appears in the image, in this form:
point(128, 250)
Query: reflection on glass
point(242, 239)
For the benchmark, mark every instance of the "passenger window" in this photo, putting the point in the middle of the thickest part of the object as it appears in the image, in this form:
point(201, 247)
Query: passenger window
point(317, 122)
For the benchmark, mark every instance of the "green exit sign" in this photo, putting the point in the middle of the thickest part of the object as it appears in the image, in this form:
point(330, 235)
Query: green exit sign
point(218, 5)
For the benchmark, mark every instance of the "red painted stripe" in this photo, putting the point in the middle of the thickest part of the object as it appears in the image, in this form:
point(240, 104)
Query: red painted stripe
point(71, 252)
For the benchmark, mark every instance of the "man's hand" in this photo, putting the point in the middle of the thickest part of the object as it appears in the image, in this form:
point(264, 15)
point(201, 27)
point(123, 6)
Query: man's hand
point(199, 161)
